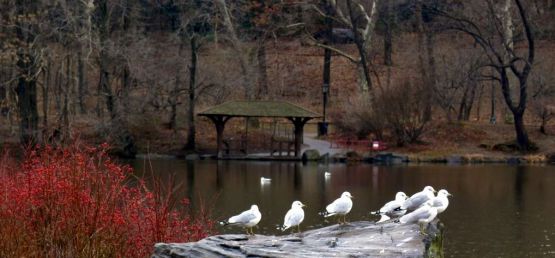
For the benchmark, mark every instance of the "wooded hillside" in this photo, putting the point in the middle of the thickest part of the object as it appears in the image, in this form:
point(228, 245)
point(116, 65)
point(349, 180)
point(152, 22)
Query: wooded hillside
point(135, 72)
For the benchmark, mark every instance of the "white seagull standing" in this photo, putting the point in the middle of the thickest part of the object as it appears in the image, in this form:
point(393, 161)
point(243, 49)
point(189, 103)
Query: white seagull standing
point(392, 208)
point(294, 216)
point(340, 206)
point(422, 215)
point(327, 174)
point(247, 219)
point(441, 201)
point(417, 199)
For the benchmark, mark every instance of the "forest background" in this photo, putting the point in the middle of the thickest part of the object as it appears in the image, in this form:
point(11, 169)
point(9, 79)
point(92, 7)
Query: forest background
point(425, 76)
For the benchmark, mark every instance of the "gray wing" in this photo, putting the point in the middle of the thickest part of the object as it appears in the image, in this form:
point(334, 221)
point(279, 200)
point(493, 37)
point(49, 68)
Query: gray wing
point(390, 206)
point(339, 206)
point(293, 218)
point(415, 201)
point(415, 216)
point(389, 209)
point(243, 218)
point(438, 202)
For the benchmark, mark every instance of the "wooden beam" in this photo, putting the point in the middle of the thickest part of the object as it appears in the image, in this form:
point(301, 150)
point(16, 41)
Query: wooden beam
point(219, 122)
point(298, 123)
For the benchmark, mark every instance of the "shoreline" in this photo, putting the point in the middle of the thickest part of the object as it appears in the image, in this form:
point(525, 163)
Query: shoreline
point(382, 158)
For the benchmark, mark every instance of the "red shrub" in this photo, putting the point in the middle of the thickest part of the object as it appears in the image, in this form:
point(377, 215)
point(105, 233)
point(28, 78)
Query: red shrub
point(76, 202)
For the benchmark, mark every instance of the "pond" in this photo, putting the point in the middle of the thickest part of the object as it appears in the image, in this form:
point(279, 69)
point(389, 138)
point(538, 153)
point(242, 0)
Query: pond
point(495, 211)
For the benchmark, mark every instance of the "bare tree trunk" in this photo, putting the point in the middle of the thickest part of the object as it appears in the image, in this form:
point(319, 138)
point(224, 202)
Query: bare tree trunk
point(125, 88)
point(432, 74)
point(242, 54)
point(191, 129)
point(27, 98)
point(58, 88)
point(479, 102)
point(326, 74)
point(466, 103)
point(174, 100)
point(363, 66)
point(28, 66)
point(105, 89)
point(262, 72)
point(388, 35)
point(63, 120)
point(82, 83)
point(426, 44)
point(492, 118)
point(45, 93)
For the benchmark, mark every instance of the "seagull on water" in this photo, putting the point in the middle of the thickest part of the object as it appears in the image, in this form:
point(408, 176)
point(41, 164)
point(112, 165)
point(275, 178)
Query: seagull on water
point(340, 206)
point(392, 208)
point(294, 216)
point(247, 219)
point(264, 180)
point(417, 199)
point(423, 215)
point(441, 201)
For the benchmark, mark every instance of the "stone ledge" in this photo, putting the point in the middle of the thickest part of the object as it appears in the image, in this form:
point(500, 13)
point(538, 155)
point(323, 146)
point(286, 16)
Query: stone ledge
point(355, 239)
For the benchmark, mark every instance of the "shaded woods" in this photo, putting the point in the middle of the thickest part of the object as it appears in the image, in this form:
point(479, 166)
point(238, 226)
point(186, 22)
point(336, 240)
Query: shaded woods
point(135, 73)
point(76, 202)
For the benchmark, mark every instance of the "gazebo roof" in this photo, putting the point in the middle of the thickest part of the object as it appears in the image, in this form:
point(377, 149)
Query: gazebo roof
point(259, 108)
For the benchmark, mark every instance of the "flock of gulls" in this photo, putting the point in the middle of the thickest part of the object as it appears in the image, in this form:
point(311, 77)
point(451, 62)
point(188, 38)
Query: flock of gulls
point(421, 207)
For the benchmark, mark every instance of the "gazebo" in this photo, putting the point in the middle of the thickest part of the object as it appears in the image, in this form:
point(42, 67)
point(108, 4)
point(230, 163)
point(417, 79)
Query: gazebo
point(220, 114)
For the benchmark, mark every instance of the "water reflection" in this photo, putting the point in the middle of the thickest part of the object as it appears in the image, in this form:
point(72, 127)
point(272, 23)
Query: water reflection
point(496, 210)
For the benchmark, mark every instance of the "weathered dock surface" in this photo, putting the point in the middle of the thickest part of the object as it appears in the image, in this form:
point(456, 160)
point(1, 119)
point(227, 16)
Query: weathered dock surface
point(356, 239)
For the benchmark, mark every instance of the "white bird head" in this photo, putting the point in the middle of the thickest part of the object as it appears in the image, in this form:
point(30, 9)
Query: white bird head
point(401, 196)
point(429, 189)
point(297, 204)
point(347, 195)
point(254, 207)
point(443, 192)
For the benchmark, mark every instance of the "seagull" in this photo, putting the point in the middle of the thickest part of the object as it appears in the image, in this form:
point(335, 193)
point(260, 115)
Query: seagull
point(441, 201)
point(294, 216)
point(392, 208)
point(264, 180)
point(417, 199)
point(247, 219)
point(423, 215)
point(327, 174)
point(340, 206)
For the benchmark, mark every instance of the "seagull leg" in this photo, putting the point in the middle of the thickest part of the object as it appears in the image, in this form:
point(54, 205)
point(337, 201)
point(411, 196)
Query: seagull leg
point(422, 230)
point(339, 220)
point(247, 230)
point(252, 232)
point(299, 228)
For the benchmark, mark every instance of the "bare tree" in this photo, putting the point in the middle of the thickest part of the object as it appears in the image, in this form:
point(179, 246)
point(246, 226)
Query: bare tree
point(542, 88)
point(242, 51)
point(488, 31)
point(29, 45)
point(361, 21)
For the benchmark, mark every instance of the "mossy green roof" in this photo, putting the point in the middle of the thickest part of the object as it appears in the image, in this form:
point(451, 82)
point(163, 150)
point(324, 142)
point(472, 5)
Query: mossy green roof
point(259, 109)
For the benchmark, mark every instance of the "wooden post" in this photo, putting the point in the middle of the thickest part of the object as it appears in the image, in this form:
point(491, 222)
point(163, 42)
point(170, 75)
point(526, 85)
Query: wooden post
point(219, 122)
point(299, 123)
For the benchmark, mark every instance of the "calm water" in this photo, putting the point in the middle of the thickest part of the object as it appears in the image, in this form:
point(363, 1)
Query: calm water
point(496, 211)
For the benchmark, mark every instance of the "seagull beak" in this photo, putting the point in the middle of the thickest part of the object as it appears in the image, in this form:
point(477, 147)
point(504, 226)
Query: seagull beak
point(448, 194)
point(304, 205)
point(352, 197)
